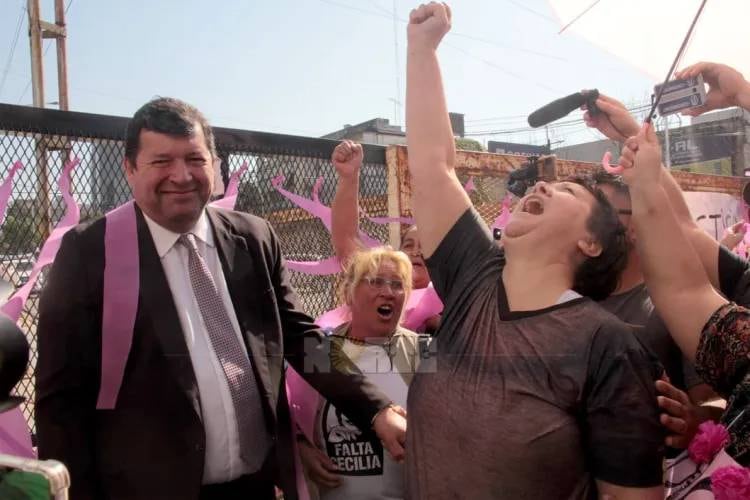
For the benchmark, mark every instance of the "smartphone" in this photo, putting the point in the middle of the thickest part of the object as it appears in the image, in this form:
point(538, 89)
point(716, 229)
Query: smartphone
point(29, 479)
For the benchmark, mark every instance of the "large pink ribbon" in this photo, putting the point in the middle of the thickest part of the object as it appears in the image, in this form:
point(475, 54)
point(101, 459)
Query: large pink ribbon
point(6, 189)
point(230, 194)
point(119, 299)
point(15, 438)
point(14, 306)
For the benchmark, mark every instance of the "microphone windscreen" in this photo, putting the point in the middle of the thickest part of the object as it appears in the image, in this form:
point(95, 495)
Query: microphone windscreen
point(556, 109)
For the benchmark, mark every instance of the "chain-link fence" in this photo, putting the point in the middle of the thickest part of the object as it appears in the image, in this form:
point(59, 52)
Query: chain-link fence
point(43, 139)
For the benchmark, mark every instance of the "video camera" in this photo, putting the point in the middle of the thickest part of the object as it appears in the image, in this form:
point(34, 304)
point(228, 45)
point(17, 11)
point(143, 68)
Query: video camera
point(535, 169)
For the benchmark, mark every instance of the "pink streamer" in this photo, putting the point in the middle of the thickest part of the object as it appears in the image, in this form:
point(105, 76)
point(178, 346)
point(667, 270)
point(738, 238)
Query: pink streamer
point(119, 298)
point(614, 170)
point(323, 267)
point(230, 195)
point(469, 187)
point(6, 189)
point(14, 306)
point(502, 219)
point(316, 208)
point(15, 438)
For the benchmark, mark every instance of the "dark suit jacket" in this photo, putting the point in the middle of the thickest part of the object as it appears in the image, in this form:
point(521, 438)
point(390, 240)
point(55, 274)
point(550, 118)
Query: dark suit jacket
point(152, 444)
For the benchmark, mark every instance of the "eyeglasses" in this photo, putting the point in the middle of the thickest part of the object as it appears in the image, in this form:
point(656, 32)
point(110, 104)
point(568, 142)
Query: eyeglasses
point(380, 283)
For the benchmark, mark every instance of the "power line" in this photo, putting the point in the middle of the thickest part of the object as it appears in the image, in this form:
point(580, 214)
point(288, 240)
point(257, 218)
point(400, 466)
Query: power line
point(532, 11)
point(12, 49)
point(386, 14)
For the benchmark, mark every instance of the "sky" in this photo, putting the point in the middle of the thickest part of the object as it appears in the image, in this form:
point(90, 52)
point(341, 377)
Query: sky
point(307, 67)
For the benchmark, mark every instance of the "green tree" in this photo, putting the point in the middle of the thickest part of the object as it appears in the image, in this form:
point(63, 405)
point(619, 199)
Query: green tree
point(468, 144)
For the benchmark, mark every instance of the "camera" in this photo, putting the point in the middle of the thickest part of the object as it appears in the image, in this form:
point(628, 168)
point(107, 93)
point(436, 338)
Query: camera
point(535, 169)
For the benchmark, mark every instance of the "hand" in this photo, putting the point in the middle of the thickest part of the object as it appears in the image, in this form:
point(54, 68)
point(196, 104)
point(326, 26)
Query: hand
point(641, 158)
point(679, 416)
point(390, 426)
point(318, 466)
point(734, 234)
point(347, 158)
point(428, 24)
point(615, 121)
point(726, 86)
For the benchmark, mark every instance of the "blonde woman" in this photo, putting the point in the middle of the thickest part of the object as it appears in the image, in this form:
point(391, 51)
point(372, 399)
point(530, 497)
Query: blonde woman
point(343, 462)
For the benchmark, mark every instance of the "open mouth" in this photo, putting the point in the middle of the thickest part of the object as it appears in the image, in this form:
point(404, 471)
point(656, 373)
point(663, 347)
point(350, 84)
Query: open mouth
point(385, 311)
point(533, 206)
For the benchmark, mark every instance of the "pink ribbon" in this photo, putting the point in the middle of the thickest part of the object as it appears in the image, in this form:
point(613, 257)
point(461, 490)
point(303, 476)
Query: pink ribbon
point(469, 187)
point(15, 438)
point(323, 267)
point(229, 200)
point(6, 189)
point(316, 208)
point(502, 219)
point(119, 299)
point(14, 306)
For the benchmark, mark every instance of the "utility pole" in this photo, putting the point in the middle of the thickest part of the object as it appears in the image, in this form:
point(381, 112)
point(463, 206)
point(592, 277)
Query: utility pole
point(39, 30)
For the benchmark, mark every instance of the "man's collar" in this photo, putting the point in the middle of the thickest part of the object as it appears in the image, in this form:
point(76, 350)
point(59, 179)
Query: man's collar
point(164, 239)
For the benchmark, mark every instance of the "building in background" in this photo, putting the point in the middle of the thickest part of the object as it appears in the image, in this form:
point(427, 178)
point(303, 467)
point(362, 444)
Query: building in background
point(516, 148)
point(715, 143)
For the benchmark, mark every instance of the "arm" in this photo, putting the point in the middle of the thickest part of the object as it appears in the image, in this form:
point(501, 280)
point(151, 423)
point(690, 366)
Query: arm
point(347, 158)
point(66, 371)
point(675, 277)
point(704, 245)
point(438, 199)
point(608, 491)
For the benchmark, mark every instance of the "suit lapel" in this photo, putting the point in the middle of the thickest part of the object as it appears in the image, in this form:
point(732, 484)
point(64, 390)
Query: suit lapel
point(249, 301)
point(158, 311)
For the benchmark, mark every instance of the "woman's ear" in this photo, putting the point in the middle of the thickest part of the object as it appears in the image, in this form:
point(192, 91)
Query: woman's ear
point(590, 247)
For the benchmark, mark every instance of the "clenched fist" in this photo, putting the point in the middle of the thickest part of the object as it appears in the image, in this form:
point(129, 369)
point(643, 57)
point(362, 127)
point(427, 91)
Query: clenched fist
point(428, 24)
point(347, 158)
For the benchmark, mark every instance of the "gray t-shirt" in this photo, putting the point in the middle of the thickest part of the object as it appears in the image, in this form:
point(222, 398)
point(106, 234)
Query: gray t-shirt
point(533, 404)
point(636, 308)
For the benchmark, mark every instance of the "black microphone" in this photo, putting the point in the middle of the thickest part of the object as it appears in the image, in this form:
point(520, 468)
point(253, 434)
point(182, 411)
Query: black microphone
point(562, 107)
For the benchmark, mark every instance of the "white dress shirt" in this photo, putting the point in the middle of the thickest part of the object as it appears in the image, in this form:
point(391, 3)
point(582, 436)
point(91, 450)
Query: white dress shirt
point(222, 459)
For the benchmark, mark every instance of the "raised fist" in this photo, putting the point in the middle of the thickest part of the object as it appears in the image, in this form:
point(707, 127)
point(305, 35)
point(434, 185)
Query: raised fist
point(428, 24)
point(347, 158)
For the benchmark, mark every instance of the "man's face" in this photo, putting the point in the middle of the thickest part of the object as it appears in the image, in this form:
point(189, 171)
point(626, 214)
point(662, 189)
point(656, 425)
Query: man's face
point(411, 247)
point(172, 178)
point(621, 203)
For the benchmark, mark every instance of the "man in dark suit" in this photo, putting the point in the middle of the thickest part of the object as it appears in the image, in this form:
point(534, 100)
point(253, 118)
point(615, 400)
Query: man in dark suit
point(201, 411)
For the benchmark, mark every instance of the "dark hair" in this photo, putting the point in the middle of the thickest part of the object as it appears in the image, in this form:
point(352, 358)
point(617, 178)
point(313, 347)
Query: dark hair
point(602, 177)
point(166, 115)
point(597, 277)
